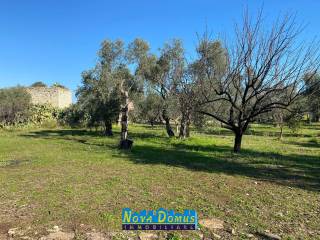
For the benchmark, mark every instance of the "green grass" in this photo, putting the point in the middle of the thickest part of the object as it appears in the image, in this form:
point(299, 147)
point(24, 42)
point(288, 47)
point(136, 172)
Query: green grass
point(78, 179)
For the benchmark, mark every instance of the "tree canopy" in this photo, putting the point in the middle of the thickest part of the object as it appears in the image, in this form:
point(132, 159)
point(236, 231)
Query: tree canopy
point(235, 83)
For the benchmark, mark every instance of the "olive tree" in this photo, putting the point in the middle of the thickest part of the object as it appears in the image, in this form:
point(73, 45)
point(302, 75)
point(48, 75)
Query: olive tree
point(313, 95)
point(163, 73)
point(15, 104)
point(98, 99)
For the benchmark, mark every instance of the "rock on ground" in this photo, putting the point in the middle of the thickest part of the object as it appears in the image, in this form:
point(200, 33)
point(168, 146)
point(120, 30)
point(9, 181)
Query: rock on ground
point(54, 229)
point(216, 236)
point(270, 236)
point(147, 236)
point(14, 232)
point(212, 223)
point(249, 235)
point(58, 236)
point(97, 236)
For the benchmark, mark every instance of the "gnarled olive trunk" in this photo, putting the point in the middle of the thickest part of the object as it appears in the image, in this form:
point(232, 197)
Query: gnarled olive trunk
point(151, 122)
point(108, 128)
point(170, 132)
point(124, 123)
point(125, 143)
point(184, 127)
point(281, 132)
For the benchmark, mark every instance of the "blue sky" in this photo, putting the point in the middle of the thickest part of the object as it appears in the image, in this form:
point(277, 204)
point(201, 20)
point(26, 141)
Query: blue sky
point(55, 40)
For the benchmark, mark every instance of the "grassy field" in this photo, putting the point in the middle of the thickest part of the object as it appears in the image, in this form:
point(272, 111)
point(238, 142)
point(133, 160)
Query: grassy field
point(79, 180)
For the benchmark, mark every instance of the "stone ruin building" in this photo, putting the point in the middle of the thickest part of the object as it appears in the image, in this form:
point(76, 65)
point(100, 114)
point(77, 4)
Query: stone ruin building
point(57, 96)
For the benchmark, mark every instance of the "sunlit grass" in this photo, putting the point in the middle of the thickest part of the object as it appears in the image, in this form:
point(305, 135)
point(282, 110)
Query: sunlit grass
point(71, 177)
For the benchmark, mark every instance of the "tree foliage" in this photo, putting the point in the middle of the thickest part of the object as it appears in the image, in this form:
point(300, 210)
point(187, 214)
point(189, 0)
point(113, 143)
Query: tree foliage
point(261, 72)
point(312, 82)
point(43, 114)
point(38, 84)
point(15, 104)
point(150, 108)
point(99, 100)
point(72, 116)
point(163, 73)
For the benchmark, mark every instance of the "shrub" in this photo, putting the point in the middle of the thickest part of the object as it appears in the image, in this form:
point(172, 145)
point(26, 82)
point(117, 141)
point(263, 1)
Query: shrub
point(58, 85)
point(49, 123)
point(38, 84)
point(71, 116)
point(14, 106)
point(40, 114)
point(294, 121)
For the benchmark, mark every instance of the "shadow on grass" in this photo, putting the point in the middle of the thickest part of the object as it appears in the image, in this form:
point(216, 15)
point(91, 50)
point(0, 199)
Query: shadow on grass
point(253, 132)
point(310, 144)
point(86, 136)
point(293, 170)
point(290, 170)
point(60, 133)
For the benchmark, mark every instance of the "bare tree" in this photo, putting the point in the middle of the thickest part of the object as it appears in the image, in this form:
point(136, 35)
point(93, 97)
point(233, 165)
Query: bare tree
point(263, 70)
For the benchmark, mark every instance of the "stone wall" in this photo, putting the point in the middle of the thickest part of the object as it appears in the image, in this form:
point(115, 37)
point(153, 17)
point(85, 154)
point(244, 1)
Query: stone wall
point(56, 96)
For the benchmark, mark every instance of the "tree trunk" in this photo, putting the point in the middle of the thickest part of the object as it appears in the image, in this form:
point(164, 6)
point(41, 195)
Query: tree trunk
point(124, 124)
point(237, 142)
point(108, 128)
point(119, 118)
point(170, 132)
point(184, 127)
point(125, 143)
point(281, 132)
point(188, 129)
point(308, 118)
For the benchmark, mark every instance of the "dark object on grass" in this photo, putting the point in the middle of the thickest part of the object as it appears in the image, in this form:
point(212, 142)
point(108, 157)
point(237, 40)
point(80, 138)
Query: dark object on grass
point(126, 144)
point(268, 235)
